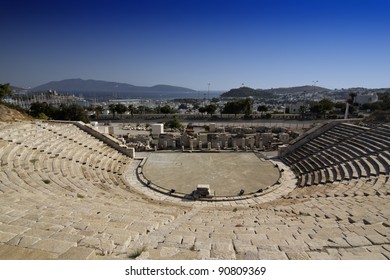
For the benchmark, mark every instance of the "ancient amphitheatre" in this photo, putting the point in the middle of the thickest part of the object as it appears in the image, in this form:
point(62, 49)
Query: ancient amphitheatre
point(67, 195)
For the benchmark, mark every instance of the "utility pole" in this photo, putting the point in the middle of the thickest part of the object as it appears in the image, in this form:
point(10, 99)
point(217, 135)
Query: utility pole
point(208, 91)
point(346, 110)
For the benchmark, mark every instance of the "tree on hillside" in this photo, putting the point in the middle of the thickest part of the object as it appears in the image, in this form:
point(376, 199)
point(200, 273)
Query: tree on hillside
point(262, 109)
point(320, 108)
point(183, 106)
point(174, 123)
point(232, 107)
point(120, 108)
point(247, 92)
point(202, 110)
point(302, 110)
point(316, 109)
point(5, 89)
point(385, 103)
point(210, 109)
point(341, 106)
point(352, 96)
point(382, 104)
point(141, 109)
point(73, 112)
point(248, 103)
point(98, 111)
point(166, 109)
point(40, 110)
point(131, 109)
point(112, 108)
point(327, 105)
point(240, 106)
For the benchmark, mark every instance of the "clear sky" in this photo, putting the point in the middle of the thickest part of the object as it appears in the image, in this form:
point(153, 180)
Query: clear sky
point(190, 43)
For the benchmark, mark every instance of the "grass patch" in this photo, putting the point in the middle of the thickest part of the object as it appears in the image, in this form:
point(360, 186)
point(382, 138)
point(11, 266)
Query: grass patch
point(46, 181)
point(34, 160)
point(136, 253)
point(235, 210)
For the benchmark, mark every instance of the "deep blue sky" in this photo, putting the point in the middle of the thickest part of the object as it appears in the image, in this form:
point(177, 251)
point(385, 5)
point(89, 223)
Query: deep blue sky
point(262, 44)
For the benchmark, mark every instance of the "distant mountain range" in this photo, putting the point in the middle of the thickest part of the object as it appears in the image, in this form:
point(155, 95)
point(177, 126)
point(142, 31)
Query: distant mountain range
point(95, 88)
point(17, 89)
point(113, 90)
point(299, 89)
point(269, 93)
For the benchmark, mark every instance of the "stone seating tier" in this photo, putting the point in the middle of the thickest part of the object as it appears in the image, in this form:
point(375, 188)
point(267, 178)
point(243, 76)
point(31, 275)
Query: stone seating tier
point(54, 205)
point(355, 151)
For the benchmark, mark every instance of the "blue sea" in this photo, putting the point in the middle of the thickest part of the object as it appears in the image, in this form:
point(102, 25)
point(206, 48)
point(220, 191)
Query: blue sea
point(178, 95)
point(152, 95)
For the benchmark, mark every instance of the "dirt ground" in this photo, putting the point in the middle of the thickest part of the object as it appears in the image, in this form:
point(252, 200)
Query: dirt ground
point(226, 173)
point(10, 115)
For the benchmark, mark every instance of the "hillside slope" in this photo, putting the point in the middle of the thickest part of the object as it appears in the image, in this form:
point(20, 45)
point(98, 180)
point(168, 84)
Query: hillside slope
point(79, 85)
point(12, 115)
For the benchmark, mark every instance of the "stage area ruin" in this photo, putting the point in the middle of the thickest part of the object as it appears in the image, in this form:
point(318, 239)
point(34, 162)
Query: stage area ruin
point(227, 173)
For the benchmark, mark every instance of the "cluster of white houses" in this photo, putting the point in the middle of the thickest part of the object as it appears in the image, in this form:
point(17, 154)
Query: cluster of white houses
point(50, 97)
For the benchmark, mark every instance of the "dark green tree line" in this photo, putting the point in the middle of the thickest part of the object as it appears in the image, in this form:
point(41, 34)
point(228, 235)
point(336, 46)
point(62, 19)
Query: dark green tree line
point(72, 112)
point(240, 106)
point(5, 89)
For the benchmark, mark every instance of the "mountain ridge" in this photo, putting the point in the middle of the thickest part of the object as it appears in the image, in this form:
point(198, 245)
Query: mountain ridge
point(91, 88)
point(267, 93)
point(297, 89)
point(90, 85)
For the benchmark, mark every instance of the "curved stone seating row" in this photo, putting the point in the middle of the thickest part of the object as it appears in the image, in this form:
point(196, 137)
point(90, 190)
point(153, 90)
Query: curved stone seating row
point(339, 221)
point(58, 224)
point(359, 168)
point(344, 152)
point(379, 186)
point(62, 192)
point(333, 137)
point(90, 210)
point(339, 133)
point(66, 151)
